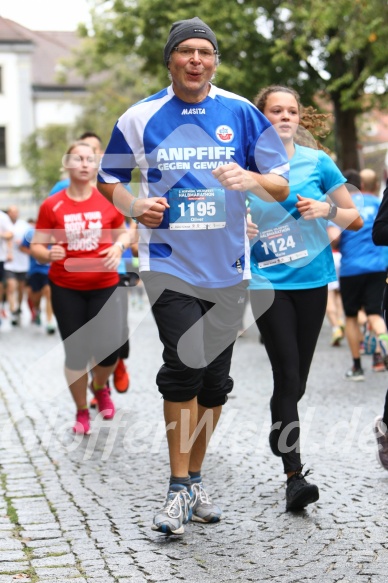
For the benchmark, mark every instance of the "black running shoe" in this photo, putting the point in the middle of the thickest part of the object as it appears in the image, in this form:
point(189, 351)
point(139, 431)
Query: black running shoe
point(299, 492)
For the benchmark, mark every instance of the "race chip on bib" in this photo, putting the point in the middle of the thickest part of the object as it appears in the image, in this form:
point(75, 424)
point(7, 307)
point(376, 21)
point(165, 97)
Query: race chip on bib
point(197, 208)
point(279, 245)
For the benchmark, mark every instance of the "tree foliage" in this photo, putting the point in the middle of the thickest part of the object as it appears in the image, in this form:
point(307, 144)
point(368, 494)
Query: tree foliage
point(333, 49)
point(124, 27)
point(341, 49)
point(42, 154)
point(113, 80)
point(336, 47)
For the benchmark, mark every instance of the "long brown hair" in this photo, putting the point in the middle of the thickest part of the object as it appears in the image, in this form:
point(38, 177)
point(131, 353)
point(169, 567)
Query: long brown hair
point(314, 122)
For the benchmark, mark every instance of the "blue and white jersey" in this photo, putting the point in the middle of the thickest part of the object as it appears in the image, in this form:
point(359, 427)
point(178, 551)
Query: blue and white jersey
point(176, 145)
point(359, 253)
point(291, 253)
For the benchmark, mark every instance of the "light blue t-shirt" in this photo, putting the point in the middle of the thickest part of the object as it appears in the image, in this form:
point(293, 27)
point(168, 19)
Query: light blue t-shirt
point(359, 253)
point(291, 252)
point(176, 145)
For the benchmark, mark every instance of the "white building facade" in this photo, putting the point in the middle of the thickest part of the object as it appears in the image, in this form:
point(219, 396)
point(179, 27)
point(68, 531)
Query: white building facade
point(31, 98)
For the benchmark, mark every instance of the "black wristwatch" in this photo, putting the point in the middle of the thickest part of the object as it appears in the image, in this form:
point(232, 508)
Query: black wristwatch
point(332, 212)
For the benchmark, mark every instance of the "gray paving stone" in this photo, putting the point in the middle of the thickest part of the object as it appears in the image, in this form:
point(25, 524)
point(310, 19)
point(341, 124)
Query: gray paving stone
point(10, 544)
point(57, 573)
point(12, 555)
point(54, 561)
point(40, 534)
point(52, 544)
point(13, 567)
point(100, 577)
point(53, 579)
point(95, 505)
point(39, 553)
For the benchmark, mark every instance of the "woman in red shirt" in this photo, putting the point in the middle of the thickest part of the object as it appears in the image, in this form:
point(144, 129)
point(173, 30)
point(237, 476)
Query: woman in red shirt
point(83, 236)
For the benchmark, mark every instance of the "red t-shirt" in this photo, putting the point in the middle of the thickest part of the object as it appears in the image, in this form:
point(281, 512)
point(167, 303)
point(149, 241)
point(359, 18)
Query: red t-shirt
point(84, 228)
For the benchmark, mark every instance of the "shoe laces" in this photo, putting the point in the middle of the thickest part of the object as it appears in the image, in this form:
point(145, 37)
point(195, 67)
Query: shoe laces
point(201, 494)
point(83, 414)
point(102, 395)
point(174, 507)
point(300, 475)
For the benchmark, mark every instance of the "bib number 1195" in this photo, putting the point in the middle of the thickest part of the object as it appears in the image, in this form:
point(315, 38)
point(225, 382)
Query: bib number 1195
point(199, 209)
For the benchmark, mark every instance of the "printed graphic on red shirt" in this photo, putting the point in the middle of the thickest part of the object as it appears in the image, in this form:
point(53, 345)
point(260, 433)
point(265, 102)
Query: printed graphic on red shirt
point(83, 230)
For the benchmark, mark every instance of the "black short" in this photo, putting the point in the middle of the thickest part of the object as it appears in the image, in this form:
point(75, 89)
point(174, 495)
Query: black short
point(1, 271)
point(37, 281)
point(362, 291)
point(89, 322)
point(198, 328)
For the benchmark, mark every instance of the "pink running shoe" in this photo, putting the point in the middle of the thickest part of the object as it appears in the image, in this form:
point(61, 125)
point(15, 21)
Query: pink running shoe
point(82, 422)
point(104, 402)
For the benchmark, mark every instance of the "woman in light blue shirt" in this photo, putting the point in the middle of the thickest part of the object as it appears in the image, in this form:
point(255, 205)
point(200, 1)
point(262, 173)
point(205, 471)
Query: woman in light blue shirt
point(292, 264)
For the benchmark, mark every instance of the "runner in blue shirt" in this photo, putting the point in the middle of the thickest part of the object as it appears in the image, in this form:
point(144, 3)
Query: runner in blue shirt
point(362, 276)
point(38, 282)
point(292, 263)
point(199, 149)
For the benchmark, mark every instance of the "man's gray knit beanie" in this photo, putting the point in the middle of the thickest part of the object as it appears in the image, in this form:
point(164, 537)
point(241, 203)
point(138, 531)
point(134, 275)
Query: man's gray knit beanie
point(184, 29)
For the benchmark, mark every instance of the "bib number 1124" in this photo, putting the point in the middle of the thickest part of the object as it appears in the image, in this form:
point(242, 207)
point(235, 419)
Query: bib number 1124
point(278, 245)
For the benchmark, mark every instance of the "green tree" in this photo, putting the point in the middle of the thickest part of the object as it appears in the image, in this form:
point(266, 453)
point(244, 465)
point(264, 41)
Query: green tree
point(341, 48)
point(42, 154)
point(113, 82)
point(333, 47)
point(126, 27)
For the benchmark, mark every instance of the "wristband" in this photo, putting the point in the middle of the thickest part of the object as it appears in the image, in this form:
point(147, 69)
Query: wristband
point(131, 208)
point(121, 245)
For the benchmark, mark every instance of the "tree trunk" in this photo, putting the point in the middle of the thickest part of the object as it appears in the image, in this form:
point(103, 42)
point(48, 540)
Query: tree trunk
point(346, 137)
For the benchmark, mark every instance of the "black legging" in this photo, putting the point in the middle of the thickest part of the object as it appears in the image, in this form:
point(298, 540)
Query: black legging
point(90, 324)
point(290, 330)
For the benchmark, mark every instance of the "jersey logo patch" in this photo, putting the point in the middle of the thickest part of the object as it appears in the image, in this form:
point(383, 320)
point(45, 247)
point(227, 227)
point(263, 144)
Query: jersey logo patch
point(224, 133)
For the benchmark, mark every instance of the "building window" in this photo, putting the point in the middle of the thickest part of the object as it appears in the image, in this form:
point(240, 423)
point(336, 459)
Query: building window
point(3, 157)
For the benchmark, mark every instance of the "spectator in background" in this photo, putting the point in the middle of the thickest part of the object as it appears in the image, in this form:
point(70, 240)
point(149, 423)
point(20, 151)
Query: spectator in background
point(16, 269)
point(6, 235)
point(38, 286)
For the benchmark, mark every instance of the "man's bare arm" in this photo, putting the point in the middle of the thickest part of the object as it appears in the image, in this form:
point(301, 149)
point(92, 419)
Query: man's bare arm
point(269, 187)
point(148, 211)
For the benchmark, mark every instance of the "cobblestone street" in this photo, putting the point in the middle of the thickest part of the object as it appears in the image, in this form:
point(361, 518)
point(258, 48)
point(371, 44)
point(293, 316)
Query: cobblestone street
point(80, 508)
